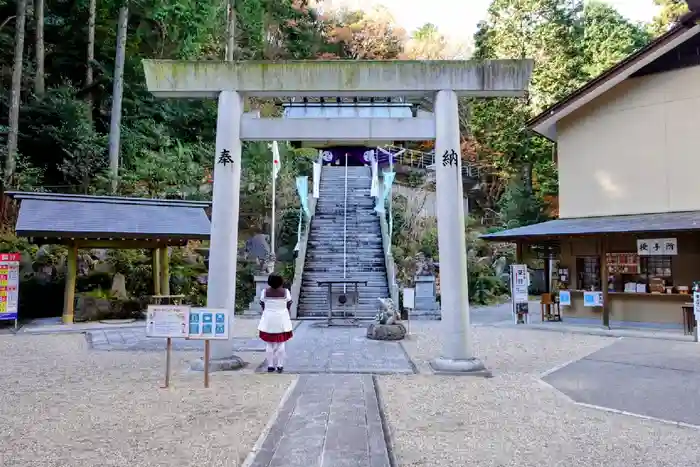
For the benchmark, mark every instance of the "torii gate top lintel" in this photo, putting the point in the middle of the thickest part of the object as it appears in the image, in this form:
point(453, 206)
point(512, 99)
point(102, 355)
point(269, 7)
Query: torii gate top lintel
point(317, 78)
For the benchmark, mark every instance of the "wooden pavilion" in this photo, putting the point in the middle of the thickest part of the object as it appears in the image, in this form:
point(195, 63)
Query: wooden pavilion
point(81, 221)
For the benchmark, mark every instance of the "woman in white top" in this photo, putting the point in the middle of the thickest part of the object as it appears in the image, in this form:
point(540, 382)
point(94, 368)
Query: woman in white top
point(275, 326)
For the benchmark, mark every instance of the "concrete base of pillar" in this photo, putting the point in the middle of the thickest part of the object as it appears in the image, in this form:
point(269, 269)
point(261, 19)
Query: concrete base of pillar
point(231, 363)
point(468, 367)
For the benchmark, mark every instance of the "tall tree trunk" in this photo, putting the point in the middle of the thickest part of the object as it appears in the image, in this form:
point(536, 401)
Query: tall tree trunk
point(115, 123)
point(92, 12)
point(231, 30)
point(15, 91)
point(39, 79)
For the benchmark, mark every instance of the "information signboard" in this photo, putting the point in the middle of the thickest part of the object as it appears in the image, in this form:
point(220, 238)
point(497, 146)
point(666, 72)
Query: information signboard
point(409, 298)
point(208, 323)
point(167, 321)
point(9, 286)
point(520, 281)
point(565, 297)
point(593, 299)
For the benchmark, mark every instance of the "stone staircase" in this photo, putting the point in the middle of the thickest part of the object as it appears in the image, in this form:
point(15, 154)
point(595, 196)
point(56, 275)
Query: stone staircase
point(324, 251)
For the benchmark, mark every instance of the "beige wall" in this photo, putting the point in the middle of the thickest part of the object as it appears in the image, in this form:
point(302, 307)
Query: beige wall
point(634, 149)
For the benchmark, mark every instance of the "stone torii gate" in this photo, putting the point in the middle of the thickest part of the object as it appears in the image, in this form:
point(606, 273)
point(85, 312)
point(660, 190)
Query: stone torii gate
point(445, 81)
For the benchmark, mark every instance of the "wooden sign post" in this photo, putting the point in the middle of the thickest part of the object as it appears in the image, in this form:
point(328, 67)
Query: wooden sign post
point(169, 322)
point(208, 324)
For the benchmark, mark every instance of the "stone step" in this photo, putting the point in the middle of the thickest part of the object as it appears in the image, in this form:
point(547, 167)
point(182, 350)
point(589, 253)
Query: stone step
point(336, 254)
point(365, 296)
point(312, 287)
point(365, 300)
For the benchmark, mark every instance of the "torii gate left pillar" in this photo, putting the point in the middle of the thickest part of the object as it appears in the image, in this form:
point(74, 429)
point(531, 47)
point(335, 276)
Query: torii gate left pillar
point(445, 81)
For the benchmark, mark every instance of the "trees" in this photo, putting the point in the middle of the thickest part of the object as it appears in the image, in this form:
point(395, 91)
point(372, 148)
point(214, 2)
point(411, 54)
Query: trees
point(427, 43)
point(608, 38)
point(15, 90)
point(118, 86)
point(361, 35)
point(670, 11)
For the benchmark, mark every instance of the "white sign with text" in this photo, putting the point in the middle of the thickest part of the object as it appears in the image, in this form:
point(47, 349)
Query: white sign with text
point(657, 247)
point(167, 321)
point(520, 281)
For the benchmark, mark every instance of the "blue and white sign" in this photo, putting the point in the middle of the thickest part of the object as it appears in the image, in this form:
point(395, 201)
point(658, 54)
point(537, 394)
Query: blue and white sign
point(593, 299)
point(209, 323)
point(565, 297)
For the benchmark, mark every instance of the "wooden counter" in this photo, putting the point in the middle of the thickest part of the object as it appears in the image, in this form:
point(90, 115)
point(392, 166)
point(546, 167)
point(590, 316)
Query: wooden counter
point(634, 307)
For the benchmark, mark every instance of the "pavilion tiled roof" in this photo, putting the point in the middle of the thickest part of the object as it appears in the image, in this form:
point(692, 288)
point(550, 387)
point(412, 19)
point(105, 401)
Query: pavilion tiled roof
point(52, 215)
point(639, 223)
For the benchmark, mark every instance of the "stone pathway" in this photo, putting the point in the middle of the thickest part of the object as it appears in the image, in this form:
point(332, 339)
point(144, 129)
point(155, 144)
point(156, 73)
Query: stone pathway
point(316, 349)
point(134, 339)
point(332, 417)
point(328, 421)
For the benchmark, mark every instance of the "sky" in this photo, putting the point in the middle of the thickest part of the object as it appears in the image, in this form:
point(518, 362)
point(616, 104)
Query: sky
point(458, 18)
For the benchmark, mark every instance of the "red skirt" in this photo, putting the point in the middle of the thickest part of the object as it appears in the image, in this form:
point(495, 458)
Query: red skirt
point(275, 338)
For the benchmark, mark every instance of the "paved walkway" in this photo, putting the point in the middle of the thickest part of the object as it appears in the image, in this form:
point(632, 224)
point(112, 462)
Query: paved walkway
point(649, 377)
point(315, 349)
point(134, 339)
point(332, 417)
point(328, 421)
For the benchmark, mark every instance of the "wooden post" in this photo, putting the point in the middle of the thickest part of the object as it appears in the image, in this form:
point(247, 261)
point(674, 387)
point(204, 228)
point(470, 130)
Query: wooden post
point(168, 352)
point(71, 275)
point(604, 280)
point(164, 271)
point(206, 363)
point(155, 258)
point(518, 252)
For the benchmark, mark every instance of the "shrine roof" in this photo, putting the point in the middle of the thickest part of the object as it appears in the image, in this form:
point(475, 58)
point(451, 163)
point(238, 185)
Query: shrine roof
point(638, 223)
point(56, 216)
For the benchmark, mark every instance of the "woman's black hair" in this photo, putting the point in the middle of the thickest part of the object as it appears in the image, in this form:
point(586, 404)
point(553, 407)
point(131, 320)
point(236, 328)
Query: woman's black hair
point(275, 281)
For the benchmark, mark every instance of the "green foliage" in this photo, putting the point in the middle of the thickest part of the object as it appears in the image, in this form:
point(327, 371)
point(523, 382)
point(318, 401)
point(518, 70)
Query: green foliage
point(415, 239)
point(608, 37)
point(570, 44)
point(519, 206)
point(670, 11)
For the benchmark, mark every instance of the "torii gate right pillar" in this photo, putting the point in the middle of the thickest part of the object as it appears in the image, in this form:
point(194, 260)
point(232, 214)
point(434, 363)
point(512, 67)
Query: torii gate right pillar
point(457, 354)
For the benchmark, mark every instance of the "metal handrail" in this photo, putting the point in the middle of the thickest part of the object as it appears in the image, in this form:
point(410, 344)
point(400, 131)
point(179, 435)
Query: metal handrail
point(424, 160)
point(345, 227)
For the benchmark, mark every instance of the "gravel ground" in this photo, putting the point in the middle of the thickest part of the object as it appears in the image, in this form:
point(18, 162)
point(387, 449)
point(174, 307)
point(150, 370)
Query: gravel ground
point(62, 405)
point(514, 419)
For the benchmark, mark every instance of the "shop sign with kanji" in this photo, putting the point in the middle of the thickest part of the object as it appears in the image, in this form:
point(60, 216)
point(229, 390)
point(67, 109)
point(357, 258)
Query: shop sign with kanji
point(657, 247)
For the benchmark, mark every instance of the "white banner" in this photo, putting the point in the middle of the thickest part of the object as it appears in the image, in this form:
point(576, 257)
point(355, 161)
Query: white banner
point(317, 179)
point(374, 191)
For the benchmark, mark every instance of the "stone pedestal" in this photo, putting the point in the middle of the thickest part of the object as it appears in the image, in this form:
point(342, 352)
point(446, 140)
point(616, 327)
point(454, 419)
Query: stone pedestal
point(426, 306)
point(254, 309)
